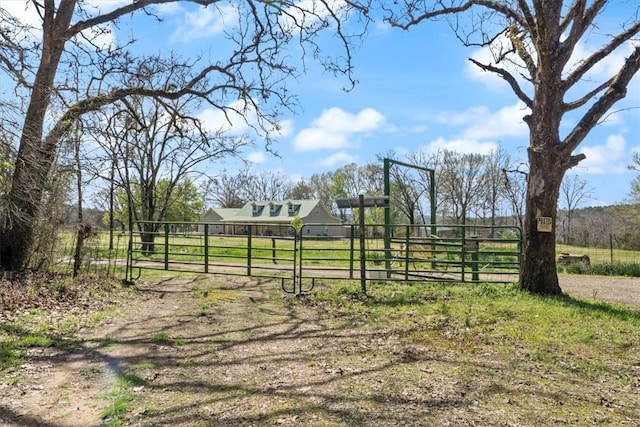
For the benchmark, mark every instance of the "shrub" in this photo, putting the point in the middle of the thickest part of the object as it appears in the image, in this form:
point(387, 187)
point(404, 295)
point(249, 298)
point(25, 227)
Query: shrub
point(605, 269)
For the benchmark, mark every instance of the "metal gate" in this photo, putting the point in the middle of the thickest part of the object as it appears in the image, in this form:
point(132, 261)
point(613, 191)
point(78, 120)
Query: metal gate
point(411, 253)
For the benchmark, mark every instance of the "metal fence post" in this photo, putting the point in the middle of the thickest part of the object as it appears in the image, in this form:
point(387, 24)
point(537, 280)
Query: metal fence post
point(206, 248)
point(166, 246)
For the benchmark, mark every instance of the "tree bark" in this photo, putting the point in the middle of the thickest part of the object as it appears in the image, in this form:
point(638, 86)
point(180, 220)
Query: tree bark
point(538, 266)
point(35, 157)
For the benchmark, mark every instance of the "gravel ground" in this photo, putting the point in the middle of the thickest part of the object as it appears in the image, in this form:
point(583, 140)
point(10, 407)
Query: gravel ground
point(625, 290)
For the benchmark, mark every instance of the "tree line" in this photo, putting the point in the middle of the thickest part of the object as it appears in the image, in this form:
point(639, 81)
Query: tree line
point(487, 188)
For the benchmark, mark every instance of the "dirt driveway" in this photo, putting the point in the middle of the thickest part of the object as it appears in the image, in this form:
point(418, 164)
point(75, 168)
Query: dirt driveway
point(186, 353)
point(623, 290)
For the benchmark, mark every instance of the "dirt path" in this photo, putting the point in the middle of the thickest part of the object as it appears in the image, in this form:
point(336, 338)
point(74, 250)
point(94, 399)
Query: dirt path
point(622, 290)
point(176, 341)
point(189, 352)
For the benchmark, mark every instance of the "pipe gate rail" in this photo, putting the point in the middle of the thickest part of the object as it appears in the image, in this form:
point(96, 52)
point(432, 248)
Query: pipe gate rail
point(411, 253)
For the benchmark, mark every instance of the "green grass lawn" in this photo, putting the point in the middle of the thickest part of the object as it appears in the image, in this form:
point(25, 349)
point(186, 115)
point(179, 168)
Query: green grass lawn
point(342, 253)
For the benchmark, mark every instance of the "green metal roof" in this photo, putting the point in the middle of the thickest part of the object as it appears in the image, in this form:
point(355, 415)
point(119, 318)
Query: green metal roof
point(279, 211)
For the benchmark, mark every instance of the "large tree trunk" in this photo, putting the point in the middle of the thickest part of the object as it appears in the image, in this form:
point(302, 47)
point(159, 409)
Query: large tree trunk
point(538, 268)
point(35, 156)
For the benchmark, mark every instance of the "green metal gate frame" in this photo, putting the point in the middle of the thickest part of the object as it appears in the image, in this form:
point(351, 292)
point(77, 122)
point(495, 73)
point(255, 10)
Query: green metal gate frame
point(470, 254)
point(387, 163)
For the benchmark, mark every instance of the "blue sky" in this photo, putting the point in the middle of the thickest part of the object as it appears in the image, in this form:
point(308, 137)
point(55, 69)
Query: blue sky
point(416, 91)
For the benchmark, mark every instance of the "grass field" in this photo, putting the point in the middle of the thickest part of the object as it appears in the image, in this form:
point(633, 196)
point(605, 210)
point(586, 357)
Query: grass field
point(602, 255)
point(325, 252)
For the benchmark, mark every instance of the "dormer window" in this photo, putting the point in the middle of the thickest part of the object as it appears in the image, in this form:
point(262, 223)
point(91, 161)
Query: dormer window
point(290, 209)
point(255, 209)
point(273, 209)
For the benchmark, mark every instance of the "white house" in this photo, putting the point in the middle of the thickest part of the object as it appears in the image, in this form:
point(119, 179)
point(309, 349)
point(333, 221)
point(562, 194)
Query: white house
point(273, 218)
point(214, 217)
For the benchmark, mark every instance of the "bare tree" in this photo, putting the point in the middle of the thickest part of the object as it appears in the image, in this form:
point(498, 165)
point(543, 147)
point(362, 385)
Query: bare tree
point(432, 161)
point(233, 191)
point(533, 44)
point(515, 185)
point(323, 187)
point(225, 191)
point(250, 81)
point(267, 185)
point(157, 146)
point(301, 191)
point(407, 192)
point(573, 191)
point(462, 181)
point(494, 191)
point(352, 180)
point(634, 192)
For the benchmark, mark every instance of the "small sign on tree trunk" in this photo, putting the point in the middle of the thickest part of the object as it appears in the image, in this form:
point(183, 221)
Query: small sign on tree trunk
point(545, 224)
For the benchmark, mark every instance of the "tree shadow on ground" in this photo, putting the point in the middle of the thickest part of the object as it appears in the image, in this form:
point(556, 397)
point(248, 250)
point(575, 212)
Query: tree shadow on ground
point(613, 310)
point(259, 359)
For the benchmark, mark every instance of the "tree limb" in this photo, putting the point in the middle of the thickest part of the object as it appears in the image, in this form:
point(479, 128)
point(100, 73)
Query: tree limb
point(508, 78)
point(134, 6)
point(587, 97)
point(617, 89)
point(598, 56)
point(498, 6)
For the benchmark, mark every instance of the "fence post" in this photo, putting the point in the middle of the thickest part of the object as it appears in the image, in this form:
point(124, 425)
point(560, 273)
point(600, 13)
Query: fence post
point(249, 231)
point(206, 248)
point(166, 246)
point(299, 239)
point(475, 272)
point(363, 255)
point(611, 246)
point(472, 247)
point(352, 235)
point(273, 250)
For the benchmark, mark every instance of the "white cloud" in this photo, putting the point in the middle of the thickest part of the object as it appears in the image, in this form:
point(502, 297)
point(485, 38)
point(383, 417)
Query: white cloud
point(338, 159)
point(313, 139)
point(474, 73)
point(25, 12)
point(233, 122)
point(240, 119)
point(609, 158)
point(101, 36)
point(415, 129)
point(505, 122)
point(334, 126)
point(460, 118)
point(308, 12)
point(604, 69)
point(166, 9)
point(204, 22)
point(460, 146)
point(283, 129)
point(102, 6)
point(481, 123)
point(337, 120)
point(256, 157)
